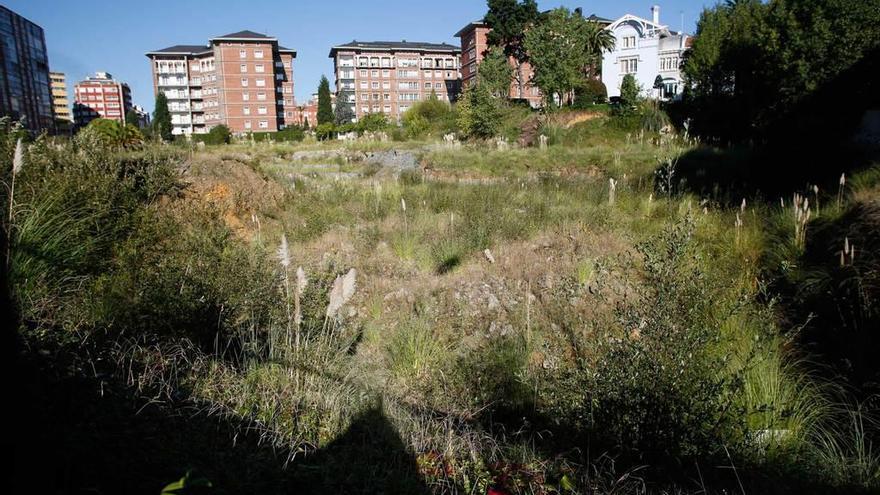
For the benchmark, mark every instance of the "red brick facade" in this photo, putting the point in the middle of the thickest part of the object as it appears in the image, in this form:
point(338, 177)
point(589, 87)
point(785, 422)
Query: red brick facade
point(474, 43)
point(389, 77)
point(242, 80)
point(101, 97)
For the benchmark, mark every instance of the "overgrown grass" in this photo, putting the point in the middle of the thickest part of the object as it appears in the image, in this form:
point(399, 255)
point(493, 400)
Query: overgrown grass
point(516, 324)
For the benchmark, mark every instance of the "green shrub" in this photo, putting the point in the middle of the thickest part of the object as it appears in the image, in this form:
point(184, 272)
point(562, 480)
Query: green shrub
point(590, 92)
point(478, 114)
point(373, 122)
point(219, 134)
point(629, 91)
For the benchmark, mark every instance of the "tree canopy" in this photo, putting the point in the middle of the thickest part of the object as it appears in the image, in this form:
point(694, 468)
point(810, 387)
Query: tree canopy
point(325, 106)
point(751, 62)
point(495, 72)
point(162, 118)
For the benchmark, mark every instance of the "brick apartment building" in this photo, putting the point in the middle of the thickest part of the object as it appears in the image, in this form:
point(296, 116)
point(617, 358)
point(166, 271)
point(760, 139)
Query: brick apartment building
point(474, 43)
point(100, 96)
point(25, 94)
point(60, 100)
point(307, 113)
point(389, 76)
point(242, 80)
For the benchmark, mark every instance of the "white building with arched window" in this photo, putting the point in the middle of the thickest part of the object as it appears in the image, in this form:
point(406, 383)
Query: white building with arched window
point(646, 49)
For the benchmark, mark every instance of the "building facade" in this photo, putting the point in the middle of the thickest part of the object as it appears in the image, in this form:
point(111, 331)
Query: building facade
point(143, 116)
point(242, 80)
point(25, 94)
point(100, 97)
point(474, 44)
point(389, 76)
point(60, 100)
point(646, 49)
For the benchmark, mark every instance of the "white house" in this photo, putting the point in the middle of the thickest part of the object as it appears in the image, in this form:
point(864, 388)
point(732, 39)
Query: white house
point(645, 49)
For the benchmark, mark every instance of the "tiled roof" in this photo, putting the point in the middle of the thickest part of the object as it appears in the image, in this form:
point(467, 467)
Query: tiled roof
point(189, 49)
point(397, 46)
point(245, 35)
point(474, 24)
point(600, 20)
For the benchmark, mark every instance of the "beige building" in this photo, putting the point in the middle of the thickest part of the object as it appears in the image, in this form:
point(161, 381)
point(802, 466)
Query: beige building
point(242, 80)
point(389, 76)
point(60, 100)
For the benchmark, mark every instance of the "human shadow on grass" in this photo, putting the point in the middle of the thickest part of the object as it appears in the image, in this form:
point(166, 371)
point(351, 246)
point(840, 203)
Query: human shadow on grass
point(82, 431)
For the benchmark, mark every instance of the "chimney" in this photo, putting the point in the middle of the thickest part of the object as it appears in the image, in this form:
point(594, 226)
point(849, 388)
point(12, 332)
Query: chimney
point(655, 12)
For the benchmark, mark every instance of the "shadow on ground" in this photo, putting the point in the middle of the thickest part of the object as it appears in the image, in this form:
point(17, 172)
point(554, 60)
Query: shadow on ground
point(78, 433)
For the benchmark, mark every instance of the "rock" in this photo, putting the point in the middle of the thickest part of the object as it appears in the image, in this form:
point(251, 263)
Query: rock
point(488, 255)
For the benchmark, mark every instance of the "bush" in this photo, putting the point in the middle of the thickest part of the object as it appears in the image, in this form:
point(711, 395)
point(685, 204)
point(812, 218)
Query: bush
point(591, 92)
point(325, 131)
point(217, 135)
point(372, 122)
point(431, 116)
point(478, 114)
point(629, 92)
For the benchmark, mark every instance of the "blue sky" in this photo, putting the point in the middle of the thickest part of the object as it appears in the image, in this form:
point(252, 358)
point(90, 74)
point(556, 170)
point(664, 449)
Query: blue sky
point(103, 35)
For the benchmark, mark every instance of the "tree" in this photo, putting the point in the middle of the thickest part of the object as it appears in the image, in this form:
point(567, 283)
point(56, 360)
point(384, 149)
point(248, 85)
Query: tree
point(325, 106)
point(162, 119)
point(599, 40)
point(343, 113)
point(509, 20)
point(132, 118)
point(219, 134)
point(557, 53)
point(479, 116)
point(629, 92)
point(112, 133)
point(495, 72)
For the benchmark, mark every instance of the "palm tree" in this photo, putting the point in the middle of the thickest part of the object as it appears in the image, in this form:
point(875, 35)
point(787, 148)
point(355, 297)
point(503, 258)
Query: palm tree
point(599, 41)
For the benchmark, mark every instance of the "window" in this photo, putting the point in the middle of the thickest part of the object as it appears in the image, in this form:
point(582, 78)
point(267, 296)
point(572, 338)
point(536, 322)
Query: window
point(374, 85)
point(261, 96)
point(386, 97)
point(386, 109)
point(259, 68)
point(629, 65)
point(629, 42)
point(243, 68)
point(365, 97)
point(427, 85)
point(242, 54)
point(428, 75)
point(279, 77)
point(386, 73)
point(363, 84)
point(246, 110)
point(264, 124)
point(438, 85)
point(247, 124)
point(258, 53)
point(261, 110)
point(261, 83)
point(244, 82)
point(364, 73)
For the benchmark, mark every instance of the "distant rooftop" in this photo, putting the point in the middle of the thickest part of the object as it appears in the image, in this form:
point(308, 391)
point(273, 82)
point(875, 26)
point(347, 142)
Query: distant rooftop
point(414, 46)
point(482, 23)
point(245, 35)
point(182, 49)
